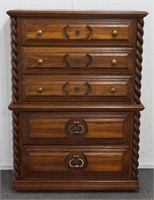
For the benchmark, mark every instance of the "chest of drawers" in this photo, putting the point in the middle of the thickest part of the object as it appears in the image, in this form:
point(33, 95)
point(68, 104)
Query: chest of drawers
point(76, 80)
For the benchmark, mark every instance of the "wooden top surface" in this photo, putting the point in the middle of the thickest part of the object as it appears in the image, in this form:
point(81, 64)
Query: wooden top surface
point(49, 13)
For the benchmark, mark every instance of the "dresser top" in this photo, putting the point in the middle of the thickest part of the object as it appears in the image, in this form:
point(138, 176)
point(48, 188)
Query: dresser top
point(67, 13)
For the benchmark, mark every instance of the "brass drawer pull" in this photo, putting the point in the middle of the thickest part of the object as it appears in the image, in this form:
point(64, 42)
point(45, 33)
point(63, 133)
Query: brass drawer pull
point(77, 32)
point(114, 33)
point(76, 124)
point(40, 61)
point(39, 32)
point(114, 62)
point(40, 89)
point(76, 158)
point(113, 90)
point(77, 61)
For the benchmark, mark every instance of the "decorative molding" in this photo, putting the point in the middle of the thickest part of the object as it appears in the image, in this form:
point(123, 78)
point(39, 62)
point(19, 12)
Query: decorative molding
point(65, 62)
point(135, 148)
point(89, 32)
point(88, 89)
point(66, 34)
point(137, 94)
point(16, 145)
point(89, 60)
point(67, 65)
point(15, 96)
point(138, 61)
point(14, 60)
point(65, 89)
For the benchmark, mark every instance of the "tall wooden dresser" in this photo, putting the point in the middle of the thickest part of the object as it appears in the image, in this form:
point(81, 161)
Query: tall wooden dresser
point(76, 80)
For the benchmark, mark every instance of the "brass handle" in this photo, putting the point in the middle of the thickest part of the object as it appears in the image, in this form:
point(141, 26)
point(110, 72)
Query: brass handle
point(77, 62)
point(76, 157)
point(76, 132)
point(113, 90)
point(40, 61)
point(77, 32)
point(114, 62)
point(40, 89)
point(39, 32)
point(114, 33)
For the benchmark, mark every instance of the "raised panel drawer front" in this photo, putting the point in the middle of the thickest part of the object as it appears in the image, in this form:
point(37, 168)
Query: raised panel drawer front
point(106, 88)
point(74, 30)
point(75, 128)
point(81, 60)
point(75, 163)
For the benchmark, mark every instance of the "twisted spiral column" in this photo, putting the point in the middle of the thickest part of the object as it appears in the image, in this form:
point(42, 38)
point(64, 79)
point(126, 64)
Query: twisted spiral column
point(16, 145)
point(135, 150)
point(15, 97)
point(137, 94)
point(138, 61)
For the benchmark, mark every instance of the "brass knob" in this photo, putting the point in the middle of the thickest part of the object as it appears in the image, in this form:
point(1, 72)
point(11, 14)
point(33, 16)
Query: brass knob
point(76, 158)
point(113, 90)
point(114, 33)
point(77, 32)
point(40, 89)
point(40, 61)
point(77, 62)
point(39, 32)
point(114, 62)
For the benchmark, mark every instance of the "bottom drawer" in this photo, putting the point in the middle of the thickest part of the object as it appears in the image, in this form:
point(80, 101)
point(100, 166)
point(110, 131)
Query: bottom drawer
point(88, 163)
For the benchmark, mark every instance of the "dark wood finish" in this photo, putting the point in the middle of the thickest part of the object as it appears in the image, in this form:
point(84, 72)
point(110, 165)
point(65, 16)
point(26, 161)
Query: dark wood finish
point(74, 87)
point(75, 60)
point(75, 106)
point(76, 81)
point(63, 128)
point(75, 14)
point(75, 30)
point(75, 163)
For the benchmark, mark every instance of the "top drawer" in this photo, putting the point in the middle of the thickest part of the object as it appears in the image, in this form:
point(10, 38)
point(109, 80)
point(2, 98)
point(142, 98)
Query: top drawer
point(50, 30)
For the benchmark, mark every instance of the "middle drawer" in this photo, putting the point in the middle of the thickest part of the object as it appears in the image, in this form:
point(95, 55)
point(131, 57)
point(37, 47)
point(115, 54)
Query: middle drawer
point(76, 127)
point(76, 60)
point(75, 88)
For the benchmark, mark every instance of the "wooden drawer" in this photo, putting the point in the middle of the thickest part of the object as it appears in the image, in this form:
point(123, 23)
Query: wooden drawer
point(48, 30)
point(45, 88)
point(81, 60)
point(75, 128)
point(88, 163)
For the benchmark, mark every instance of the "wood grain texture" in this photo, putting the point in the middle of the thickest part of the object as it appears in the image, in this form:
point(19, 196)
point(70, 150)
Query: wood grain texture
point(76, 80)
point(75, 14)
point(74, 60)
point(65, 163)
point(53, 128)
point(72, 88)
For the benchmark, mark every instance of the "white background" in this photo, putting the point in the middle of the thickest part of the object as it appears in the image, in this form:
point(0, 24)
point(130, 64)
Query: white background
point(147, 127)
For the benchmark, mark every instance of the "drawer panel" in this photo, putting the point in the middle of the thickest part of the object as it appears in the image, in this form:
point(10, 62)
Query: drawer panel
point(71, 30)
point(75, 163)
point(48, 88)
point(47, 60)
point(75, 128)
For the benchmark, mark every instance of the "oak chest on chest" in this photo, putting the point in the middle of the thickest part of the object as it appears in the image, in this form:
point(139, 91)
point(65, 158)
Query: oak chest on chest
point(76, 80)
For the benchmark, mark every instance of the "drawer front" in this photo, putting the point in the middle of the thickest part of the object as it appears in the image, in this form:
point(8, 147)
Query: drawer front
point(67, 60)
point(75, 163)
point(68, 30)
point(48, 88)
point(74, 128)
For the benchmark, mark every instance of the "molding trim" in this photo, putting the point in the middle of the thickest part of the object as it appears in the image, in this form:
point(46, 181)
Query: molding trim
point(141, 166)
